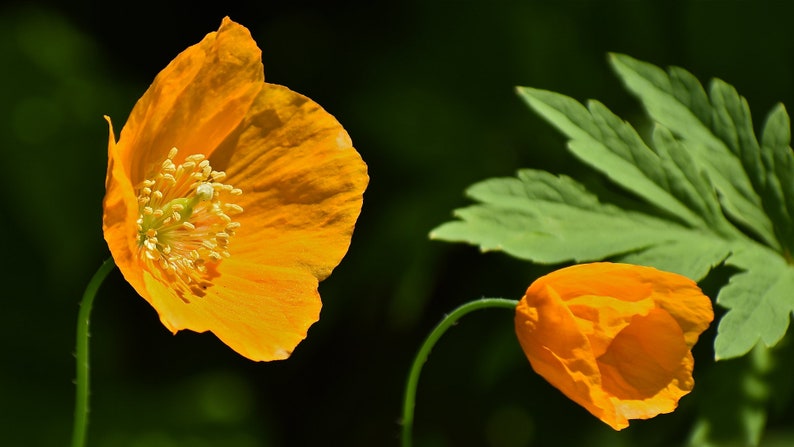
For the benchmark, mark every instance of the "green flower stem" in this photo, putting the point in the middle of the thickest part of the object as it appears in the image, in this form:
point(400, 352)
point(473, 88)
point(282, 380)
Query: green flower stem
point(81, 401)
point(413, 377)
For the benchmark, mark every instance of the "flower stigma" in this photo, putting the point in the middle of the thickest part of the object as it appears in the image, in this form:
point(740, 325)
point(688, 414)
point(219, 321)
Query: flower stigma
point(184, 225)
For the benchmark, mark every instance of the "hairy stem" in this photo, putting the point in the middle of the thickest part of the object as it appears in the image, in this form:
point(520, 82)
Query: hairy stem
point(413, 377)
point(81, 398)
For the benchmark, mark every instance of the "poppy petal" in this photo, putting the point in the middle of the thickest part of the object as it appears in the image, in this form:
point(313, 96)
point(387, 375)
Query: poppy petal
point(195, 102)
point(302, 183)
point(648, 367)
point(120, 212)
point(558, 351)
point(262, 312)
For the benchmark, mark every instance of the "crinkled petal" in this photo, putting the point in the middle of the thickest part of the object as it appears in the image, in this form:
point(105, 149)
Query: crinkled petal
point(677, 294)
point(560, 353)
point(602, 318)
point(195, 102)
point(648, 367)
point(262, 312)
point(600, 279)
point(302, 183)
point(683, 300)
point(120, 211)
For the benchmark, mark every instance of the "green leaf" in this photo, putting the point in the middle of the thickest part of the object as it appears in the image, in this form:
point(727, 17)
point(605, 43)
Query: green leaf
point(609, 144)
point(702, 163)
point(549, 219)
point(676, 100)
point(759, 299)
point(703, 252)
point(778, 160)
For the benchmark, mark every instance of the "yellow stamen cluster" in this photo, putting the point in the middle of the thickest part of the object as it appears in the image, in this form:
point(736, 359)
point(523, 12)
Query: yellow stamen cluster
point(184, 225)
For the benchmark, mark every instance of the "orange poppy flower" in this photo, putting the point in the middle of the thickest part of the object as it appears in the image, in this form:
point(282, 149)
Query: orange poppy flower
point(614, 338)
point(228, 199)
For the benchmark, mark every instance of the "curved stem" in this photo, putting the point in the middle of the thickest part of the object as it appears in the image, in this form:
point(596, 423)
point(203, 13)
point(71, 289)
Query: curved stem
point(427, 346)
point(81, 400)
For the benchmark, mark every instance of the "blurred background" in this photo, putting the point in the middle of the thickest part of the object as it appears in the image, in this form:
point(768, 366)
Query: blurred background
point(426, 91)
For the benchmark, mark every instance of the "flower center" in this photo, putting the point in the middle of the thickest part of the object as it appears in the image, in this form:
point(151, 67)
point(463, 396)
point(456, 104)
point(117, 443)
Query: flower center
point(184, 225)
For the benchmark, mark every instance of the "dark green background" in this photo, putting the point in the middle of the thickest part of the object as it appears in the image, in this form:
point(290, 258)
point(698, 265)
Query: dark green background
point(426, 91)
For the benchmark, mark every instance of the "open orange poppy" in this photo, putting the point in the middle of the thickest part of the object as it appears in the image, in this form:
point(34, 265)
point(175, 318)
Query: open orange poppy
point(228, 199)
point(614, 338)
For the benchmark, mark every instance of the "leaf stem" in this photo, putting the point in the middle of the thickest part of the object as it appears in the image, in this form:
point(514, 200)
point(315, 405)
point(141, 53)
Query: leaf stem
point(424, 351)
point(81, 354)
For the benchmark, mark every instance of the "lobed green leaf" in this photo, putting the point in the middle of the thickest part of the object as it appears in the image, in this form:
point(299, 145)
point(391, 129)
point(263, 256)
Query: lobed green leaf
point(612, 146)
point(677, 100)
point(759, 299)
point(551, 219)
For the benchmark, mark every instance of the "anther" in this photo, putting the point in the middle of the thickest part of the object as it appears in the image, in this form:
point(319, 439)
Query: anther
point(183, 224)
point(233, 207)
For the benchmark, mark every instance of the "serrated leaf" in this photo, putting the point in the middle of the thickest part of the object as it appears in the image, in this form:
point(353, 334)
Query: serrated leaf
point(686, 181)
point(704, 252)
point(612, 146)
point(778, 160)
point(677, 100)
point(759, 299)
point(549, 219)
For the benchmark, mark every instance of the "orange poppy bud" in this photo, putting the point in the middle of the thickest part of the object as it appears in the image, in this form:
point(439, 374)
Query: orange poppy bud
point(614, 338)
